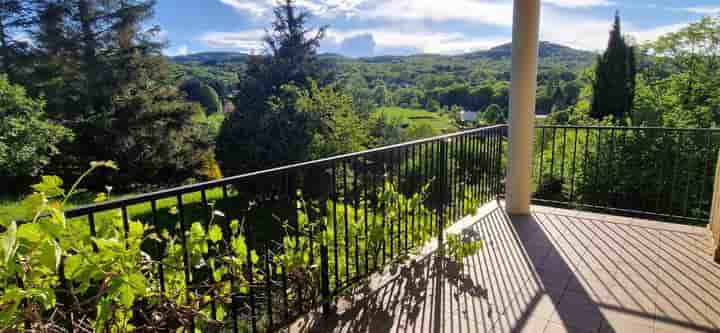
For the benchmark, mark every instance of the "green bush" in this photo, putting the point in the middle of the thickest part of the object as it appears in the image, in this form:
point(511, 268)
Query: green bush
point(27, 138)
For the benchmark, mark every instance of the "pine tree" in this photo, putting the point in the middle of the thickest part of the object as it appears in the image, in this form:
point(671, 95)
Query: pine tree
point(614, 84)
point(105, 78)
point(15, 16)
point(266, 130)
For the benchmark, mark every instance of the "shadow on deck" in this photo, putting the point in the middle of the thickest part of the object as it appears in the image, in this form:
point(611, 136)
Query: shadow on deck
point(555, 271)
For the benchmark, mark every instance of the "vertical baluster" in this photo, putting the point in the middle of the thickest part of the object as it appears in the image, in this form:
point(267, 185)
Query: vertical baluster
point(402, 216)
point(586, 178)
point(251, 278)
point(676, 163)
point(488, 163)
point(542, 157)
point(709, 155)
point(562, 162)
point(688, 172)
point(410, 181)
point(576, 133)
point(93, 233)
point(443, 174)
point(268, 288)
point(383, 207)
point(126, 224)
point(186, 257)
point(346, 206)
point(477, 161)
point(423, 160)
point(161, 268)
point(552, 154)
point(598, 159)
point(611, 170)
point(356, 211)
point(660, 182)
point(365, 214)
point(207, 218)
point(334, 198)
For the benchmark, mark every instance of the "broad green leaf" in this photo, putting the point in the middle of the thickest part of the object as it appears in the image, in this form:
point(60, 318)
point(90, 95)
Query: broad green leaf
point(8, 243)
point(49, 254)
point(73, 266)
point(30, 232)
point(215, 233)
point(32, 204)
point(138, 283)
point(136, 230)
point(197, 231)
point(100, 197)
point(240, 247)
point(50, 185)
point(110, 245)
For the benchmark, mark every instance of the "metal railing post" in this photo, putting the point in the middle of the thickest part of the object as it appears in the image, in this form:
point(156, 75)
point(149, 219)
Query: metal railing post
point(324, 261)
point(444, 193)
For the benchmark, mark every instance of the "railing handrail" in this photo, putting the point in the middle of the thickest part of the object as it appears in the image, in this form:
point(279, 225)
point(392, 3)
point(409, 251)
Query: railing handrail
point(180, 190)
point(676, 129)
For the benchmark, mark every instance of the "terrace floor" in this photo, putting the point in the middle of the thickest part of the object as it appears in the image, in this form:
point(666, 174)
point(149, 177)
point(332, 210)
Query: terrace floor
point(555, 271)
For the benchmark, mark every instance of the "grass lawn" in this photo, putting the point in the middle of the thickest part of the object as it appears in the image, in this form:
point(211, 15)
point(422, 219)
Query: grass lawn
point(441, 123)
point(12, 208)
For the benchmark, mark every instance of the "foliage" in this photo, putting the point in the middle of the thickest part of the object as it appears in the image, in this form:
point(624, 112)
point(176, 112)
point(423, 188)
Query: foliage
point(15, 15)
point(268, 129)
point(204, 94)
point(680, 80)
point(28, 140)
point(614, 84)
point(102, 76)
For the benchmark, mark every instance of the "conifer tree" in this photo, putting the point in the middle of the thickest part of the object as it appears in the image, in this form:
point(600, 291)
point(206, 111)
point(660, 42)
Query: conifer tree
point(259, 134)
point(614, 83)
point(15, 16)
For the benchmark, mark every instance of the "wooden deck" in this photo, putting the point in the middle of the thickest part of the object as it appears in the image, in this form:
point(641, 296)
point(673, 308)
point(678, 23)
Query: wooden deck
point(556, 271)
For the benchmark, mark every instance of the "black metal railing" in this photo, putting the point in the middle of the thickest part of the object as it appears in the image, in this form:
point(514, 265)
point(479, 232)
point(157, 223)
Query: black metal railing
point(666, 173)
point(318, 227)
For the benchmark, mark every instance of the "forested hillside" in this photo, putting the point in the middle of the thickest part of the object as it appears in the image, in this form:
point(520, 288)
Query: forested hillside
point(473, 81)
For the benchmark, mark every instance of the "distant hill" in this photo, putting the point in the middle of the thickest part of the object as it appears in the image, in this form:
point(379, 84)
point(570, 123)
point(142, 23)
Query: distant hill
point(210, 58)
point(547, 50)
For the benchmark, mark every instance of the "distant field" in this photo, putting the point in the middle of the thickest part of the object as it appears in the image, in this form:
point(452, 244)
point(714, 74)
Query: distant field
point(439, 122)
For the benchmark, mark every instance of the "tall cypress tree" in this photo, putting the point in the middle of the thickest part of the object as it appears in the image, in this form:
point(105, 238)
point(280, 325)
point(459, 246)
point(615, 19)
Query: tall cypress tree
point(614, 84)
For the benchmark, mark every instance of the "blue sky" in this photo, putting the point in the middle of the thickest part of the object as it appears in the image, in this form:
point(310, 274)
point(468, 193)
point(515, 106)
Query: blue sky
point(381, 27)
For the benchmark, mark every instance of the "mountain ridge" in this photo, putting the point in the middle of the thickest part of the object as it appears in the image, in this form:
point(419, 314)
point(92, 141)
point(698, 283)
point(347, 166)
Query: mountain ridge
point(499, 52)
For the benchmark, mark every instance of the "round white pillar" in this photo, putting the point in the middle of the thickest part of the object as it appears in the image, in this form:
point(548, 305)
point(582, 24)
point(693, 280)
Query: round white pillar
point(526, 25)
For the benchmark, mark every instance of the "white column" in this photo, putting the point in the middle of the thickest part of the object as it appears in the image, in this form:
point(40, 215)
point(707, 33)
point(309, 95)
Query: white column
point(526, 24)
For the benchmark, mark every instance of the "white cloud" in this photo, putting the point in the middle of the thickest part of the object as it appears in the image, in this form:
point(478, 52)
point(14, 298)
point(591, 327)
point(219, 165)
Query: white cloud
point(180, 50)
point(493, 13)
point(703, 10)
point(254, 7)
point(579, 3)
point(249, 41)
point(419, 41)
point(316, 7)
point(402, 26)
point(645, 35)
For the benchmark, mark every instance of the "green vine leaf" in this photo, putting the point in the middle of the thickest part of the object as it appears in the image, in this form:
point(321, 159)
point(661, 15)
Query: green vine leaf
point(51, 186)
point(215, 233)
point(8, 244)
